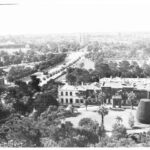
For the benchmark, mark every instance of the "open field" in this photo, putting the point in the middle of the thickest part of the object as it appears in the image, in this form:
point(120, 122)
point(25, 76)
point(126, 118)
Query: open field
point(109, 119)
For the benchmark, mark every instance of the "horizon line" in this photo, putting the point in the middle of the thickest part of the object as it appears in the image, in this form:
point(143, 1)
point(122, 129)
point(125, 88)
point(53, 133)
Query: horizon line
point(101, 32)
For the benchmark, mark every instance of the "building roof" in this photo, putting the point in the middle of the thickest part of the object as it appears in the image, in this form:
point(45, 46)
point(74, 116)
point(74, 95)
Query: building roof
point(72, 88)
point(67, 87)
point(38, 73)
point(137, 83)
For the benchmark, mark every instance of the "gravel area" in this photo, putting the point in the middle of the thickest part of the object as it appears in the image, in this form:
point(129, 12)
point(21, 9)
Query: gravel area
point(109, 119)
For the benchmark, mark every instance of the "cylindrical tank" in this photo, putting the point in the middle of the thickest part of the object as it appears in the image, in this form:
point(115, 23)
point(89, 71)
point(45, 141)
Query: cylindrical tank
point(143, 111)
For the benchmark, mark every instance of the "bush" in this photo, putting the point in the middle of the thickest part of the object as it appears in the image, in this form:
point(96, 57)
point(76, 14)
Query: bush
point(86, 122)
point(47, 142)
point(4, 113)
point(89, 124)
point(110, 142)
point(131, 120)
point(143, 113)
point(124, 142)
point(119, 131)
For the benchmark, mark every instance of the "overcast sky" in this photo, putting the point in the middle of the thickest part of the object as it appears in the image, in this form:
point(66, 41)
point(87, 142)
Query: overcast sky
point(68, 16)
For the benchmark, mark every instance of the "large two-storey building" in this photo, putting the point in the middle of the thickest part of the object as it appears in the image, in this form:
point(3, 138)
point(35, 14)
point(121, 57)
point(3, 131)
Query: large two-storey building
point(69, 94)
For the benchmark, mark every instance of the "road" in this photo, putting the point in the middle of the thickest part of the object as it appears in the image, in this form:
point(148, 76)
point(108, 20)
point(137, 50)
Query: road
point(57, 71)
point(87, 64)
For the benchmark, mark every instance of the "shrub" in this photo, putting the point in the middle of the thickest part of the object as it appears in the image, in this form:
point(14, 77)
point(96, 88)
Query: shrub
point(119, 120)
point(47, 142)
point(124, 142)
point(131, 120)
point(89, 124)
point(110, 142)
point(119, 131)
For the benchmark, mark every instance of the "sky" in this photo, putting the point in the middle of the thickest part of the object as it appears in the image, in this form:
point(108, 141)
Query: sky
point(70, 16)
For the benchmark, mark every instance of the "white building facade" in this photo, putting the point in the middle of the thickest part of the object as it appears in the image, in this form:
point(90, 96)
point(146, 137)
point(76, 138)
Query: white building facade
point(68, 94)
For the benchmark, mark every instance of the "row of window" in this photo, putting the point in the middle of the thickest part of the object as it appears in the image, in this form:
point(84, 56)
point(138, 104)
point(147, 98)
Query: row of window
point(71, 100)
point(66, 93)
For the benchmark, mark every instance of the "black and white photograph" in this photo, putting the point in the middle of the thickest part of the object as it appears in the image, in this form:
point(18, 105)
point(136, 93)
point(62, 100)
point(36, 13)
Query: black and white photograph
point(74, 73)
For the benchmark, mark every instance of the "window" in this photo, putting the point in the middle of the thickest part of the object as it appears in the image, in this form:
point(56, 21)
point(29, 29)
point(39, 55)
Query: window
point(77, 101)
point(66, 93)
point(66, 100)
point(70, 93)
point(61, 93)
point(81, 100)
point(71, 101)
point(62, 100)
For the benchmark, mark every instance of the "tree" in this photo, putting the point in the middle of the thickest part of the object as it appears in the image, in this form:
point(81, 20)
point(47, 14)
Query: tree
point(131, 120)
point(2, 72)
point(114, 68)
point(86, 101)
point(71, 78)
point(63, 133)
point(34, 84)
point(52, 61)
point(43, 101)
point(119, 120)
point(77, 75)
point(22, 130)
point(51, 87)
point(102, 111)
point(16, 73)
point(137, 72)
point(124, 68)
point(146, 70)
point(19, 98)
point(94, 74)
point(131, 98)
point(103, 69)
point(67, 136)
point(4, 113)
point(83, 95)
point(23, 88)
point(101, 97)
point(81, 65)
point(47, 142)
point(89, 124)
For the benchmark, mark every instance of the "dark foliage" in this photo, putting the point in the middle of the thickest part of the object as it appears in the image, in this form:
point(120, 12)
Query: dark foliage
point(143, 114)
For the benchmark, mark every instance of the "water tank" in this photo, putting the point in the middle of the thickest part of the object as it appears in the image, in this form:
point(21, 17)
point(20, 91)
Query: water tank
point(143, 111)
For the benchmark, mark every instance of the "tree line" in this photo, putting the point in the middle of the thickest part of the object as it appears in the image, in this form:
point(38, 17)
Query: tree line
point(19, 72)
point(122, 69)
